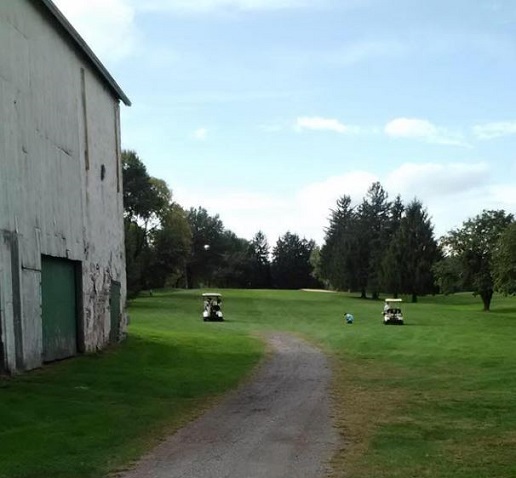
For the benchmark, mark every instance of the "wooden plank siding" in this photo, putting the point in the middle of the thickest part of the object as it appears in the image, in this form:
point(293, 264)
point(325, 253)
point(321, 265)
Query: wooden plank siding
point(56, 113)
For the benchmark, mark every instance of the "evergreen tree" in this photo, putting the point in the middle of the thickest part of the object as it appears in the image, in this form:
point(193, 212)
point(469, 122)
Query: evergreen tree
point(335, 256)
point(291, 268)
point(390, 273)
point(234, 267)
point(395, 214)
point(374, 216)
point(413, 252)
point(260, 277)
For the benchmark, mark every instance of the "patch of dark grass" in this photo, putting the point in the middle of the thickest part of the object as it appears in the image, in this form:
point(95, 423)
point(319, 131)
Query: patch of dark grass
point(86, 416)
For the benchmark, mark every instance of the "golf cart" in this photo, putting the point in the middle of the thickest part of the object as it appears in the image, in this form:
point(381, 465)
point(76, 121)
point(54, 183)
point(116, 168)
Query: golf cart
point(392, 314)
point(212, 307)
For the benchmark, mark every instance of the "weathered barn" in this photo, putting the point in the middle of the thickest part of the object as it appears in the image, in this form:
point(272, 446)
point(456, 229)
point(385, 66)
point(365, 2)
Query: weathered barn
point(62, 264)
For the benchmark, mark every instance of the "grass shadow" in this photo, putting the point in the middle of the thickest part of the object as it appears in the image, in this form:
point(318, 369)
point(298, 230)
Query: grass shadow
point(503, 310)
point(80, 413)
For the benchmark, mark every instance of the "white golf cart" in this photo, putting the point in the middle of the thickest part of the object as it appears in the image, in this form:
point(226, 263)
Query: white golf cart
point(392, 314)
point(212, 307)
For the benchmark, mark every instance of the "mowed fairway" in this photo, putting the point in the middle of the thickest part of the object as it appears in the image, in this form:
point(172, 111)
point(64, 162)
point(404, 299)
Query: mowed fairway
point(436, 397)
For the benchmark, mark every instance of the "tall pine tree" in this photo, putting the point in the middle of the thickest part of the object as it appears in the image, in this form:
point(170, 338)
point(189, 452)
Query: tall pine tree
point(374, 238)
point(335, 256)
point(260, 263)
point(413, 252)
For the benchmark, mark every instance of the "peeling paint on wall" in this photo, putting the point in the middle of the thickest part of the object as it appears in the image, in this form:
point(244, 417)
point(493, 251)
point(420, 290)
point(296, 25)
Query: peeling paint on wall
point(53, 201)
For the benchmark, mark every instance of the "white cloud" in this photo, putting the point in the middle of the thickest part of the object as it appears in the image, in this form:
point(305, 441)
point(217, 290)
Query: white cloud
point(450, 212)
point(200, 134)
point(452, 193)
point(243, 212)
point(494, 130)
point(326, 193)
point(108, 26)
point(312, 204)
point(410, 128)
point(423, 130)
point(305, 212)
point(431, 180)
point(317, 123)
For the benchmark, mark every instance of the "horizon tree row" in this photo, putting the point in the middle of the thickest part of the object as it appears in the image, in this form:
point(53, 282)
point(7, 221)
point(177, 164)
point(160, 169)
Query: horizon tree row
point(376, 246)
point(219, 258)
point(382, 245)
point(167, 245)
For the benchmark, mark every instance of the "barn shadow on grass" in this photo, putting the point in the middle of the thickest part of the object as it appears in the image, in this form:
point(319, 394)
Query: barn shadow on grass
point(114, 403)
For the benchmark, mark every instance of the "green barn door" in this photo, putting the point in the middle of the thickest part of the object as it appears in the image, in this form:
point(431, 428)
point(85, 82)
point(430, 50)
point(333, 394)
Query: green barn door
point(59, 308)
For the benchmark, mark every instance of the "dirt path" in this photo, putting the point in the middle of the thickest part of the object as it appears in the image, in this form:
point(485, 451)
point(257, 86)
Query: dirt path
point(276, 426)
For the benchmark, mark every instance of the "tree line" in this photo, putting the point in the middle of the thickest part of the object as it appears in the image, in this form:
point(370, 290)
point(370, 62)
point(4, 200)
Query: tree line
point(389, 246)
point(167, 245)
point(378, 246)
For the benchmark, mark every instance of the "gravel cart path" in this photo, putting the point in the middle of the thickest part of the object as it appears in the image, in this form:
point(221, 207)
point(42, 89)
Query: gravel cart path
point(277, 425)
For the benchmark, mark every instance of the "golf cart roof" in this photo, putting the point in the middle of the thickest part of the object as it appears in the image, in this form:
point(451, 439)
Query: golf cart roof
point(211, 294)
point(393, 300)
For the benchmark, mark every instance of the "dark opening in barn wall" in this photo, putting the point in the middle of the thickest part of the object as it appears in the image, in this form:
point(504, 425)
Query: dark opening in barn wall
point(10, 273)
point(3, 368)
point(114, 305)
point(59, 308)
point(2, 349)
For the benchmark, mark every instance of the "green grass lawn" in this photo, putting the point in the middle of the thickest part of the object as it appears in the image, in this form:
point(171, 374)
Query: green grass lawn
point(436, 397)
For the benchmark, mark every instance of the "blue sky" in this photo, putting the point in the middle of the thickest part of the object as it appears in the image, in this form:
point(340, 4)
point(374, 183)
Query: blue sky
point(266, 111)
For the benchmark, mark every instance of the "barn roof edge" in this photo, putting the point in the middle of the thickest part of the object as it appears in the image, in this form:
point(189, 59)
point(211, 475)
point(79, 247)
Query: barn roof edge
point(83, 46)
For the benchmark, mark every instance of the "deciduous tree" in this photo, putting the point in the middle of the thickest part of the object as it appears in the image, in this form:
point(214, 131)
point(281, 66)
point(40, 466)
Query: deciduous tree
point(207, 249)
point(144, 200)
point(170, 247)
point(504, 261)
point(474, 244)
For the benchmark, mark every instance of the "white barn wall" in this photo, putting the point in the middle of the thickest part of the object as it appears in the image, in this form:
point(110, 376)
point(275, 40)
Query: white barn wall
point(50, 202)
